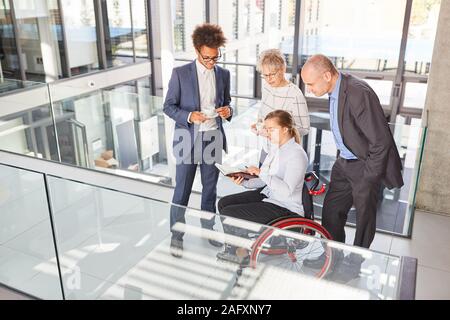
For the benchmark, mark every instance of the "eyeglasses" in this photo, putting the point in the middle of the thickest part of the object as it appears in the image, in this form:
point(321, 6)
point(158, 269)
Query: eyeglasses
point(208, 59)
point(269, 75)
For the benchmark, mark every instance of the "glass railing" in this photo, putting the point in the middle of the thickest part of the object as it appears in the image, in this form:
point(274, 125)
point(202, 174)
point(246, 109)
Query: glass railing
point(128, 134)
point(27, 247)
point(64, 239)
point(11, 85)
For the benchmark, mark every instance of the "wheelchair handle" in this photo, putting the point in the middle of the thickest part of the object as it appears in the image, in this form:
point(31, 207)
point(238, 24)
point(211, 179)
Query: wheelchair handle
point(310, 176)
point(315, 192)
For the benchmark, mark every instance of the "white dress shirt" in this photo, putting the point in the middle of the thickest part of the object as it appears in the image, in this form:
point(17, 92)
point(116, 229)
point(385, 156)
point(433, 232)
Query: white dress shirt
point(283, 175)
point(207, 88)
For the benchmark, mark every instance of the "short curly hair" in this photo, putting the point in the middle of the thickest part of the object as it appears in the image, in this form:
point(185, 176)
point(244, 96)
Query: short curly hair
point(210, 35)
point(271, 58)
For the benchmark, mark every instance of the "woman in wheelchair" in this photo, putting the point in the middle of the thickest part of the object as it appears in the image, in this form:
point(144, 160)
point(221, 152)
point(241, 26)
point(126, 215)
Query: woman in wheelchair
point(277, 185)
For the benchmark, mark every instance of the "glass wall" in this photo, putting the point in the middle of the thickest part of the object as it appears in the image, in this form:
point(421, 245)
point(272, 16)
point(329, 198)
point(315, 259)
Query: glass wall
point(255, 25)
point(357, 34)
point(187, 14)
point(422, 31)
point(107, 244)
point(80, 32)
point(51, 38)
point(419, 50)
point(120, 49)
point(27, 252)
point(9, 59)
point(361, 36)
point(140, 30)
point(40, 38)
point(31, 131)
point(126, 31)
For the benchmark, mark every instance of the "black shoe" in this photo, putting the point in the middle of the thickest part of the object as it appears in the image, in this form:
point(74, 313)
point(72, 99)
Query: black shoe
point(176, 248)
point(215, 243)
point(315, 263)
point(227, 256)
point(348, 269)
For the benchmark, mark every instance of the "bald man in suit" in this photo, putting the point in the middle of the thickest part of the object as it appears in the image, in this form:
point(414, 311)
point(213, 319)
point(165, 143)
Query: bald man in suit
point(367, 154)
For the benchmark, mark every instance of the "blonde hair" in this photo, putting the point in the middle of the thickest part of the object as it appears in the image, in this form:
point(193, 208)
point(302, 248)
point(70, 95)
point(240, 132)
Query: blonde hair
point(285, 120)
point(272, 58)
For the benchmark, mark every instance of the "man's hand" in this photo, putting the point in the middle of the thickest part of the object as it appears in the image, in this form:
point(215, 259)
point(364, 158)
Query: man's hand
point(197, 117)
point(224, 112)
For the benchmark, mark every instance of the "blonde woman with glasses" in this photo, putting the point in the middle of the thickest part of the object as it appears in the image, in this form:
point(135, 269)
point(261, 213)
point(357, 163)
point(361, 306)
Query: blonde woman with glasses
point(279, 94)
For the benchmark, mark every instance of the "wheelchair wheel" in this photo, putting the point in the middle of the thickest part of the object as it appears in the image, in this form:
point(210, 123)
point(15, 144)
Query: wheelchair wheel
point(282, 251)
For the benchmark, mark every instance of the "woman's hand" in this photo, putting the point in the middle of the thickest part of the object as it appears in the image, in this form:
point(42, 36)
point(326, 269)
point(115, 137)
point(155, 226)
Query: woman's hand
point(237, 180)
point(254, 171)
point(254, 129)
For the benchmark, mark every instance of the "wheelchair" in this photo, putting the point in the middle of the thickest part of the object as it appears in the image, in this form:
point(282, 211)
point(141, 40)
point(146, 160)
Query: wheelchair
point(289, 250)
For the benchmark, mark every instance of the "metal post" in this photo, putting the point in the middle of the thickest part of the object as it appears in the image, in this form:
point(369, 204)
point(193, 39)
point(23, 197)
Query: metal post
point(133, 44)
point(52, 112)
point(66, 67)
point(298, 40)
point(100, 29)
point(150, 47)
point(212, 11)
point(207, 11)
point(257, 83)
point(399, 85)
point(17, 40)
point(52, 225)
point(317, 150)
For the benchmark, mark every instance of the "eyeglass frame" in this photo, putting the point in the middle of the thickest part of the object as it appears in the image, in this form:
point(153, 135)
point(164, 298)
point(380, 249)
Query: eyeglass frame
point(269, 75)
point(208, 59)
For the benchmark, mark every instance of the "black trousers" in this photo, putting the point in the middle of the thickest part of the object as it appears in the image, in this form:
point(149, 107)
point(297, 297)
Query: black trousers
point(348, 187)
point(251, 207)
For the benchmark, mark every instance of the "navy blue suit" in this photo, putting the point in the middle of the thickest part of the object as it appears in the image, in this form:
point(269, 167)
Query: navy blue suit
point(182, 98)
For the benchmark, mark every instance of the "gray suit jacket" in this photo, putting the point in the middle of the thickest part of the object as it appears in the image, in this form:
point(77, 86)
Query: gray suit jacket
point(366, 132)
point(183, 97)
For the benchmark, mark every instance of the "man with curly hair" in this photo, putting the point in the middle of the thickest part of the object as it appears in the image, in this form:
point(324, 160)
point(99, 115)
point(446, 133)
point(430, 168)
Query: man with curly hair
point(198, 99)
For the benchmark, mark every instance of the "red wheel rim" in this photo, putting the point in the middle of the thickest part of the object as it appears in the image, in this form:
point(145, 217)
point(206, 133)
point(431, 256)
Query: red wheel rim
point(257, 248)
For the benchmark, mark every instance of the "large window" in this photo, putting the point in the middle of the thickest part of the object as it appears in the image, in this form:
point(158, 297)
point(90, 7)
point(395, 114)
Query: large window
point(126, 30)
point(186, 16)
point(9, 58)
point(120, 49)
point(357, 34)
point(364, 36)
point(422, 31)
point(81, 38)
point(140, 31)
point(40, 42)
point(251, 27)
point(251, 24)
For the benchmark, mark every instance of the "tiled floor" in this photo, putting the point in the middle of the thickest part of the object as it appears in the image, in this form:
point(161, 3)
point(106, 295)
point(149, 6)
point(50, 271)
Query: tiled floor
point(430, 244)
